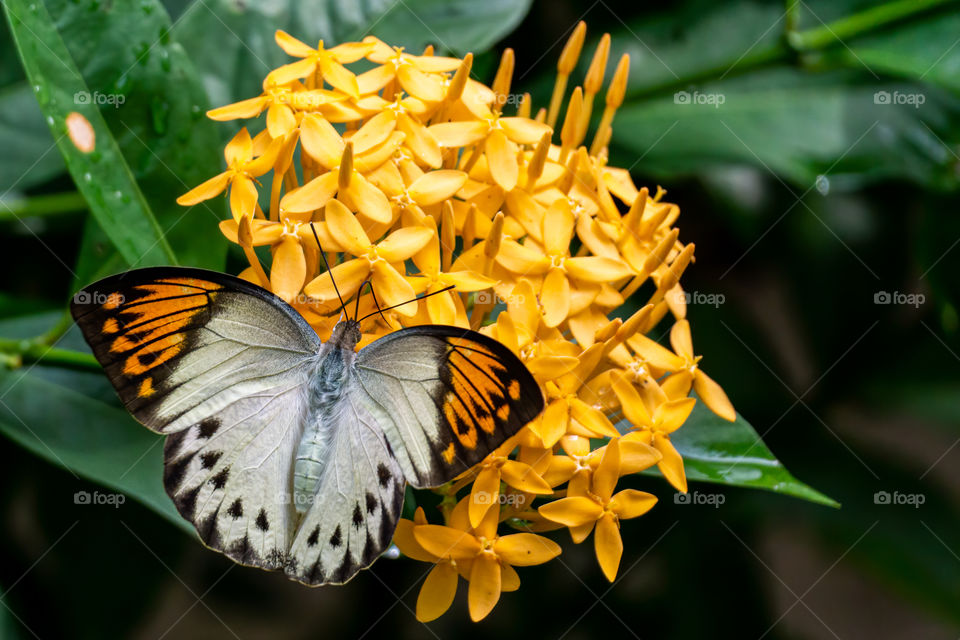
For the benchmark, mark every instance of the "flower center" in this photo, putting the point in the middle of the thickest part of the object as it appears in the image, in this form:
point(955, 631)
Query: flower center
point(638, 369)
point(372, 255)
point(290, 227)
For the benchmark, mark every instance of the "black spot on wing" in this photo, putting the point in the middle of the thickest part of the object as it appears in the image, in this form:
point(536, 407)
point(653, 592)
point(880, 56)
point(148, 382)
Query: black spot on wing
point(370, 550)
point(243, 552)
point(220, 480)
point(346, 569)
point(314, 536)
point(209, 459)
point(372, 503)
point(315, 575)
point(383, 475)
point(357, 515)
point(262, 522)
point(276, 559)
point(186, 503)
point(174, 470)
point(208, 427)
point(207, 529)
point(236, 509)
point(337, 538)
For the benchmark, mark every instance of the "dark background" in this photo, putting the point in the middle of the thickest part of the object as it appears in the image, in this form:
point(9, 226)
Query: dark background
point(805, 199)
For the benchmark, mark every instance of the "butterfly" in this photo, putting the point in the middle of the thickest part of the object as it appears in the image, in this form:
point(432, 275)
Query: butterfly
point(285, 452)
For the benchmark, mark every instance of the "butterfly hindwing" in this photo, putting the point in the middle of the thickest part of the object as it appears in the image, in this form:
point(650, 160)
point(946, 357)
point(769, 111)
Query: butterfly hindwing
point(221, 367)
point(446, 397)
point(357, 502)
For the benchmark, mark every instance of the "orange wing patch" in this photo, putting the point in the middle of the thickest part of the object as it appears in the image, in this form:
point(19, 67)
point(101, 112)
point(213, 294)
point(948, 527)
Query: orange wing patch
point(477, 382)
point(149, 321)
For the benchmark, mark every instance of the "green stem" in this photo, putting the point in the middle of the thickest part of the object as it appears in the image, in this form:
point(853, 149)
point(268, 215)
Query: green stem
point(56, 331)
point(815, 39)
point(859, 23)
point(18, 352)
point(792, 14)
point(51, 204)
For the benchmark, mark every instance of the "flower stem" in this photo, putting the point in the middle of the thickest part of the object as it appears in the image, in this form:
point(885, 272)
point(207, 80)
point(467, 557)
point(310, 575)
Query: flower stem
point(51, 204)
point(858, 23)
point(793, 42)
point(15, 353)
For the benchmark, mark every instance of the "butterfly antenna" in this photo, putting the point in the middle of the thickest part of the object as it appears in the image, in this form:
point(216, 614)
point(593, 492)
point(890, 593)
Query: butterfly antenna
point(327, 265)
point(356, 312)
point(380, 311)
point(356, 309)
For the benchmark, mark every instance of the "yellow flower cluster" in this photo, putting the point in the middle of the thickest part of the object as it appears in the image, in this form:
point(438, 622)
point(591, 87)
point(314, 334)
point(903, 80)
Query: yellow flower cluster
point(413, 177)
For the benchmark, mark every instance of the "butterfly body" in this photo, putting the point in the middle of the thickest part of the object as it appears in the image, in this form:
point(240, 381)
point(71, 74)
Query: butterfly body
point(326, 389)
point(285, 452)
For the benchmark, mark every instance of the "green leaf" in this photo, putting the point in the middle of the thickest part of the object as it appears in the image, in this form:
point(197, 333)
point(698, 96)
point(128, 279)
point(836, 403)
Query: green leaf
point(102, 175)
point(29, 156)
point(920, 50)
point(79, 424)
point(683, 46)
point(796, 125)
point(87, 437)
point(732, 453)
point(154, 103)
point(233, 42)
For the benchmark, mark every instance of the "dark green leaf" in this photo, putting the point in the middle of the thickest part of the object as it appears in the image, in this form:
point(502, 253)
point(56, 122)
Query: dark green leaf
point(102, 176)
point(153, 100)
point(233, 42)
point(795, 125)
point(86, 437)
point(30, 156)
point(79, 424)
point(683, 46)
point(732, 453)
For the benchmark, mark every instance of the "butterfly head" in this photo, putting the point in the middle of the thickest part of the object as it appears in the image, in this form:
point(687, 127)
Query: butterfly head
point(346, 334)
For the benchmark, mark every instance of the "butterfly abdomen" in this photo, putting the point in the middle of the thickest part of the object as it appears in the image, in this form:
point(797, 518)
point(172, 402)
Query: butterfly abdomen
point(324, 403)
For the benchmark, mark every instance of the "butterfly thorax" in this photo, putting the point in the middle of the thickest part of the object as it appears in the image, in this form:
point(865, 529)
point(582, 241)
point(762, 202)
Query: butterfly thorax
point(326, 391)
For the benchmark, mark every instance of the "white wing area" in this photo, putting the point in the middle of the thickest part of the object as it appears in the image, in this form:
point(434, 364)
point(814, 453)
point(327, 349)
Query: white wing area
point(234, 354)
point(234, 406)
point(358, 499)
point(230, 474)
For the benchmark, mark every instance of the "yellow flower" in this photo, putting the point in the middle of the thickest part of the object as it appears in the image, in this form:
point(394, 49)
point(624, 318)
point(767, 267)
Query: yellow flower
point(417, 75)
point(327, 64)
point(490, 556)
point(378, 261)
point(600, 507)
point(415, 180)
point(486, 487)
point(242, 169)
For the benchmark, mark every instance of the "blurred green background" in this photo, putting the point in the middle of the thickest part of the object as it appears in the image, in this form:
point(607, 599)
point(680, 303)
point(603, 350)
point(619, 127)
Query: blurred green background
point(812, 147)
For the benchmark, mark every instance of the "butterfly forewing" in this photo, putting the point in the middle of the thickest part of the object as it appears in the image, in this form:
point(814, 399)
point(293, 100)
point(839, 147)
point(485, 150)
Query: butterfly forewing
point(446, 397)
point(181, 344)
